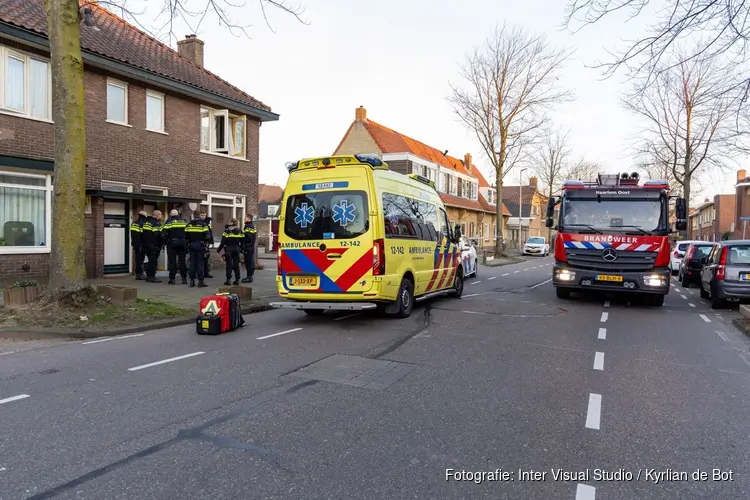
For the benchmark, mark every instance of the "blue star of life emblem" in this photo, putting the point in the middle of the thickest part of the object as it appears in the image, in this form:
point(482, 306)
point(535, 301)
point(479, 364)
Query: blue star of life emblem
point(304, 215)
point(343, 213)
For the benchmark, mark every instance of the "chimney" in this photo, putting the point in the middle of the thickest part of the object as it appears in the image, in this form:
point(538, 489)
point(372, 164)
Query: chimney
point(467, 162)
point(532, 182)
point(360, 114)
point(741, 175)
point(191, 48)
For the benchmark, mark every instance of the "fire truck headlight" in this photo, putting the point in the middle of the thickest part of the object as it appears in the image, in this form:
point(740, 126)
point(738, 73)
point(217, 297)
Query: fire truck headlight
point(656, 280)
point(565, 275)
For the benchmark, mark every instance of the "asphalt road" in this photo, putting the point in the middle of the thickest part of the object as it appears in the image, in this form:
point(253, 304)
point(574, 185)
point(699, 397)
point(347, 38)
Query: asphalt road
point(508, 378)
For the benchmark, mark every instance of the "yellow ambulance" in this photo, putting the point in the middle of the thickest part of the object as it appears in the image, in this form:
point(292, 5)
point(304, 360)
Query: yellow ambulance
point(355, 235)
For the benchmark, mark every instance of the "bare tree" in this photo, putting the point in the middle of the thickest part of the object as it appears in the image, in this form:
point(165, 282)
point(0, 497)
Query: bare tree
point(67, 269)
point(584, 170)
point(511, 83)
point(553, 159)
point(724, 26)
point(688, 116)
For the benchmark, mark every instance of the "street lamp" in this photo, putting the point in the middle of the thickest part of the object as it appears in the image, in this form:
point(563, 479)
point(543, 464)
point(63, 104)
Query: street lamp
point(520, 204)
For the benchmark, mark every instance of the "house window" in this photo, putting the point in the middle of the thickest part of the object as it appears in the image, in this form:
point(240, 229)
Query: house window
point(117, 102)
point(154, 190)
point(25, 213)
point(223, 133)
point(273, 210)
point(120, 187)
point(486, 232)
point(154, 111)
point(222, 207)
point(26, 83)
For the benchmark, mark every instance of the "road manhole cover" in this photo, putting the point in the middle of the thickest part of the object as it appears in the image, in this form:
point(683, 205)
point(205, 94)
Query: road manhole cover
point(356, 371)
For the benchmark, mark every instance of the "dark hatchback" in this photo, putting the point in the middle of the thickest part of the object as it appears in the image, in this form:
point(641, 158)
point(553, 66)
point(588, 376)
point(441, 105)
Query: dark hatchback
point(690, 267)
point(726, 273)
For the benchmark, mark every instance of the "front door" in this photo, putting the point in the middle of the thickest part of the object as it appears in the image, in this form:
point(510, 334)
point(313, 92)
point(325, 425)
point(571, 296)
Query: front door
point(116, 237)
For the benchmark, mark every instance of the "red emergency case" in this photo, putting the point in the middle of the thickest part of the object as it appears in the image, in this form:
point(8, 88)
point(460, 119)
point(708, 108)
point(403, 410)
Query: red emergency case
point(219, 314)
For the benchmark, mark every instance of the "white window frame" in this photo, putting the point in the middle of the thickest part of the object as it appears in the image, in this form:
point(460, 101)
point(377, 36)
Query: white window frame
point(164, 191)
point(276, 209)
point(5, 53)
point(126, 185)
point(123, 86)
point(162, 97)
point(228, 117)
point(208, 204)
point(47, 188)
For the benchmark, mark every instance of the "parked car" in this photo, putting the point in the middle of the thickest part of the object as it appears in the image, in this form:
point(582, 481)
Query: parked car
point(725, 276)
point(677, 254)
point(690, 266)
point(469, 256)
point(536, 245)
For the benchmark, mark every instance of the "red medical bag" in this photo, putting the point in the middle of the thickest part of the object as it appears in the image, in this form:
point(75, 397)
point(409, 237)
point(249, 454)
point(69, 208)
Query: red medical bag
point(219, 314)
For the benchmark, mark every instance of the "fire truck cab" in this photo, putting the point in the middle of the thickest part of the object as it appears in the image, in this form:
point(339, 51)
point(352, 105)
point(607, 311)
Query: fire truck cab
point(613, 236)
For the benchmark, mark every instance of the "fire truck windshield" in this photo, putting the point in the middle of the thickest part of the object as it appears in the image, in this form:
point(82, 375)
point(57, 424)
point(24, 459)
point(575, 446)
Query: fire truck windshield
point(613, 215)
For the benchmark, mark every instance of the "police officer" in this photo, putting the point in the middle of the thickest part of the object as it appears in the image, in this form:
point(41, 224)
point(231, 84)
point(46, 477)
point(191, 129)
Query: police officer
point(232, 239)
point(152, 243)
point(173, 232)
point(248, 247)
point(197, 239)
point(207, 256)
point(136, 241)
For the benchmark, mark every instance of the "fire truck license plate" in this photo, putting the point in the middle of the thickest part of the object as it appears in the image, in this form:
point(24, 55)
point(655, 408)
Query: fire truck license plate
point(608, 277)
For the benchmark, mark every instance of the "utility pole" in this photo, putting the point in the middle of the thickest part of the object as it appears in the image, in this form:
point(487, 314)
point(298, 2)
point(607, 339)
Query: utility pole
point(520, 205)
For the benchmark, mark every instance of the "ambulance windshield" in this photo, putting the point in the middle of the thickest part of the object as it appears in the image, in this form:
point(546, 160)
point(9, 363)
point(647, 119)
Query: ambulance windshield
point(326, 215)
point(626, 215)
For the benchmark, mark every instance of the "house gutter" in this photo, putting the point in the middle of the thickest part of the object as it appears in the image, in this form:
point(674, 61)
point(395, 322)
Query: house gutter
point(41, 42)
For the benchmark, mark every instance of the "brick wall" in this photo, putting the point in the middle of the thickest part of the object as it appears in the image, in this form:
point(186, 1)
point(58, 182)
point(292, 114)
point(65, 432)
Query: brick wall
point(358, 141)
point(135, 155)
point(725, 209)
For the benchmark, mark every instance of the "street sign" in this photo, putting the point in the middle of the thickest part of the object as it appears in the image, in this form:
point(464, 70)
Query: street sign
point(744, 218)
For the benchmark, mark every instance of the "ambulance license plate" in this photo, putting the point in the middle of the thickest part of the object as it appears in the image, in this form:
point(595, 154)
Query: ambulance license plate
point(608, 277)
point(303, 281)
point(745, 276)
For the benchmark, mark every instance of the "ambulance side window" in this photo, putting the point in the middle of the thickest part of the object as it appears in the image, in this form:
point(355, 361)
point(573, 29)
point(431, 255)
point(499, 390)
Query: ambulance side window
point(445, 226)
point(430, 221)
point(399, 218)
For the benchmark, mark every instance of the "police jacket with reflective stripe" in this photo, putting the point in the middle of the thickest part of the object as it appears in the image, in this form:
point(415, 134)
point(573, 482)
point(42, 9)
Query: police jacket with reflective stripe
point(136, 232)
point(151, 233)
point(232, 239)
point(196, 234)
point(174, 231)
point(251, 235)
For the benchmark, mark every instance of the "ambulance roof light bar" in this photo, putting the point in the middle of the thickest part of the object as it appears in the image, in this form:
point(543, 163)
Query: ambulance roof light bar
point(372, 159)
point(291, 166)
point(656, 184)
point(423, 180)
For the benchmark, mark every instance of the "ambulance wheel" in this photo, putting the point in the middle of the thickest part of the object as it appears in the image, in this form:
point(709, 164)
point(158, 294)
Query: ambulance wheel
point(314, 312)
point(458, 284)
point(405, 298)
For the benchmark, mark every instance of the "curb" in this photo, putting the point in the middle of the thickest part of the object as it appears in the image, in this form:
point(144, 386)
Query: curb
point(742, 326)
point(83, 333)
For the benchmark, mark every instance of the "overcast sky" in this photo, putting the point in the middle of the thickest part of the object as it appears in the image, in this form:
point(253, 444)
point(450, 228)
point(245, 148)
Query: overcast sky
point(397, 58)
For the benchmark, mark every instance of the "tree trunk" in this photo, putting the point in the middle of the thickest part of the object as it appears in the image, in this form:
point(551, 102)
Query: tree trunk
point(499, 213)
point(686, 194)
point(67, 269)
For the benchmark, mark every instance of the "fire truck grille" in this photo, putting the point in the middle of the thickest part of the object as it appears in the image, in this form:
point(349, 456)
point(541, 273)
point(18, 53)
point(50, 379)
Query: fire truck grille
point(626, 260)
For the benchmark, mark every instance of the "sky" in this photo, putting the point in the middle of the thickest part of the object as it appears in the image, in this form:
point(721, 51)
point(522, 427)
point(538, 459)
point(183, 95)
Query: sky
point(398, 59)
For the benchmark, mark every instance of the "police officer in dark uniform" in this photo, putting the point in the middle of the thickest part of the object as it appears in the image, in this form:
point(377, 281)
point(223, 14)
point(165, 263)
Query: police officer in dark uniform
point(197, 239)
point(136, 241)
point(248, 247)
point(232, 239)
point(152, 243)
point(173, 232)
point(207, 256)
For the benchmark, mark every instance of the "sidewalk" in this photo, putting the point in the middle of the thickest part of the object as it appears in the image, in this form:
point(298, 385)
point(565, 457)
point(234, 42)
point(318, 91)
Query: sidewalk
point(264, 288)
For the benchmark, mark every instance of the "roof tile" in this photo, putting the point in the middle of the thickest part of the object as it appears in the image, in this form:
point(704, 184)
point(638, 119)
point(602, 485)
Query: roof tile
point(116, 39)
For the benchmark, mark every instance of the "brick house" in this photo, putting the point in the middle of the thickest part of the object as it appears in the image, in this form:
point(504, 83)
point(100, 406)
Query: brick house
point(533, 211)
point(162, 133)
point(466, 194)
point(713, 219)
point(742, 206)
point(269, 207)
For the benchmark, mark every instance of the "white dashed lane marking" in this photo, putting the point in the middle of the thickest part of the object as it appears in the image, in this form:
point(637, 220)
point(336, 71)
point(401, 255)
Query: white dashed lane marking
point(691, 304)
point(585, 492)
point(112, 338)
point(606, 303)
point(472, 295)
point(593, 416)
point(155, 363)
point(599, 361)
point(14, 398)
point(705, 318)
point(280, 333)
point(722, 335)
point(506, 274)
point(676, 289)
point(684, 296)
point(602, 333)
point(514, 272)
point(476, 282)
point(605, 315)
point(346, 317)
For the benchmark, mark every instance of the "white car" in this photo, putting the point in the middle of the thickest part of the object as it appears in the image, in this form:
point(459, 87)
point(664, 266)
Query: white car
point(675, 258)
point(469, 257)
point(536, 245)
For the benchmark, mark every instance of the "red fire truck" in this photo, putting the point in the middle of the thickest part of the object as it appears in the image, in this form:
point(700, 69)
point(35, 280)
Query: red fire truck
point(613, 235)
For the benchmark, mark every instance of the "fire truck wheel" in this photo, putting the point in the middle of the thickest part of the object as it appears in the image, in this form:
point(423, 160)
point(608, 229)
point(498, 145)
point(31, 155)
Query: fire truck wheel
point(656, 300)
point(562, 293)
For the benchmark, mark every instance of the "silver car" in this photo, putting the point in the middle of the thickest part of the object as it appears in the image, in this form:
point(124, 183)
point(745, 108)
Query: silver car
point(725, 275)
